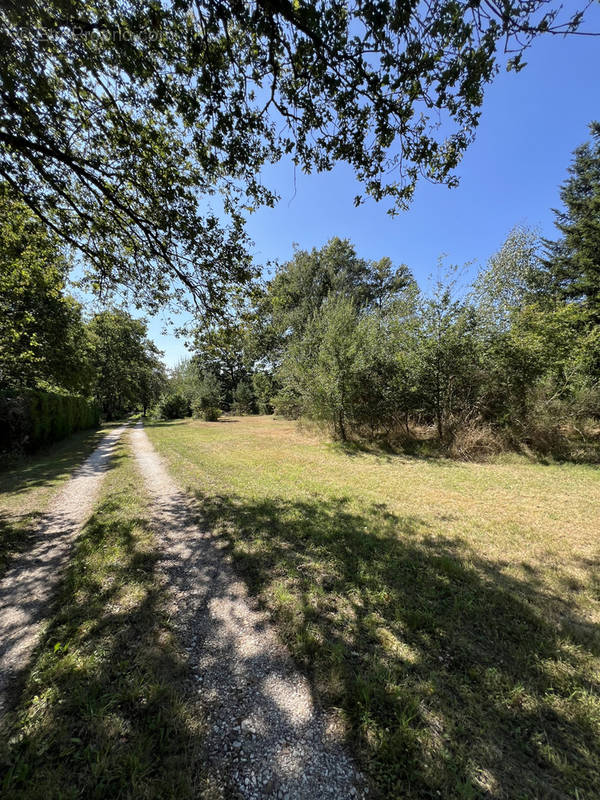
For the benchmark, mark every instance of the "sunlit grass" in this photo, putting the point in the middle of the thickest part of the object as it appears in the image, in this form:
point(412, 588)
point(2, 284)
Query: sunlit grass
point(449, 609)
point(108, 710)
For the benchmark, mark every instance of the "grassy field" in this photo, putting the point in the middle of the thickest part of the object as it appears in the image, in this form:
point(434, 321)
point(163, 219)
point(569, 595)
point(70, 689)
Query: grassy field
point(28, 485)
point(449, 610)
point(108, 710)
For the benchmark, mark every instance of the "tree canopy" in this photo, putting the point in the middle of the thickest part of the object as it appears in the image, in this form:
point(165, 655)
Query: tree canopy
point(42, 336)
point(128, 126)
point(46, 340)
point(128, 366)
point(302, 285)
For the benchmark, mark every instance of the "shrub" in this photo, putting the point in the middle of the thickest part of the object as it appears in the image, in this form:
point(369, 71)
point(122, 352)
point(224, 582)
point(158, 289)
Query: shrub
point(243, 399)
point(205, 404)
point(262, 383)
point(287, 403)
point(208, 414)
point(475, 441)
point(172, 406)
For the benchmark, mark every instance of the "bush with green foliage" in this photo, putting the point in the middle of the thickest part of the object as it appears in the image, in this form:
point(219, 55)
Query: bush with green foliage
point(172, 406)
point(263, 385)
point(207, 393)
point(243, 399)
point(207, 398)
point(288, 402)
point(208, 414)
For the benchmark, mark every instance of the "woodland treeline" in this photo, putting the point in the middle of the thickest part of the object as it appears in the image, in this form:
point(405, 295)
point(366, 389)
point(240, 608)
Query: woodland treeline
point(133, 142)
point(511, 359)
point(60, 367)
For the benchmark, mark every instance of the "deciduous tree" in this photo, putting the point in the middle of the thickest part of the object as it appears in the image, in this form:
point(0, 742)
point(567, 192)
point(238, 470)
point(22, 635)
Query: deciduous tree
point(42, 336)
point(129, 126)
point(126, 361)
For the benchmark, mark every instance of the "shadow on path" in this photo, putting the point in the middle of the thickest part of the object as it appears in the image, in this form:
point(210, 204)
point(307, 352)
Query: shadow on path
point(109, 709)
point(266, 735)
point(459, 679)
point(28, 584)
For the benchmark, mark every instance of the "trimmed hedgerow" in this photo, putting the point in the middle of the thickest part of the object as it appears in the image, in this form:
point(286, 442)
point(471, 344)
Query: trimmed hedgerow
point(37, 417)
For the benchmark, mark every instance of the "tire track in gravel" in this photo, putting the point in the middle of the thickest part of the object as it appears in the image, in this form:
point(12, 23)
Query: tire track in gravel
point(266, 738)
point(28, 585)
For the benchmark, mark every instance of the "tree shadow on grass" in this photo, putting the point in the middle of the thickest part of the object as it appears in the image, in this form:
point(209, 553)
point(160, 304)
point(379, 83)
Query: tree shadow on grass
point(165, 423)
point(17, 532)
point(169, 423)
point(458, 679)
point(20, 530)
point(107, 710)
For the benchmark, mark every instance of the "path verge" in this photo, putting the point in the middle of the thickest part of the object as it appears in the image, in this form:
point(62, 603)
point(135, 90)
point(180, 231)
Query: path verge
point(109, 708)
point(30, 581)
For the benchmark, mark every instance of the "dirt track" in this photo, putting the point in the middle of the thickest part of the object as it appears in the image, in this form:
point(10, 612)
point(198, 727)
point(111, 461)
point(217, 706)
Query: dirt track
point(28, 585)
point(267, 739)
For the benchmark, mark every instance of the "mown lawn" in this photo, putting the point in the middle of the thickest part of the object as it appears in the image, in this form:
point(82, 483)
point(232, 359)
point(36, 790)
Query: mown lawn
point(450, 610)
point(28, 485)
point(108, 710)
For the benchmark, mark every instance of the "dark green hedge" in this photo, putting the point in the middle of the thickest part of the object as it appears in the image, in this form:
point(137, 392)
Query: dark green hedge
point(38, 417)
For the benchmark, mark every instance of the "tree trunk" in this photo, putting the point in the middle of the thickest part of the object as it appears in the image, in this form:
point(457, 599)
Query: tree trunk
point(341, 425)
point(439, 423)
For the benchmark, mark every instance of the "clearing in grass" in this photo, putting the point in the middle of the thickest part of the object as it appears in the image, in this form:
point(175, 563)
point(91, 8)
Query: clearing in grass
point(449, 609)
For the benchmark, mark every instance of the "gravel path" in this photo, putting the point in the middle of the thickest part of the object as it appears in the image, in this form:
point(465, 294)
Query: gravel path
point(266, 737)
point(29, 583)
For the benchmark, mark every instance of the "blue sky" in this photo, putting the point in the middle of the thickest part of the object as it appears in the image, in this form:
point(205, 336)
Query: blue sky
point(531, 123)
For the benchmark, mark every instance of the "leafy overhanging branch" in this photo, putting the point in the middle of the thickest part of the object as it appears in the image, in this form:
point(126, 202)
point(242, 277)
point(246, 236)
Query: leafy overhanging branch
point(122, 122)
